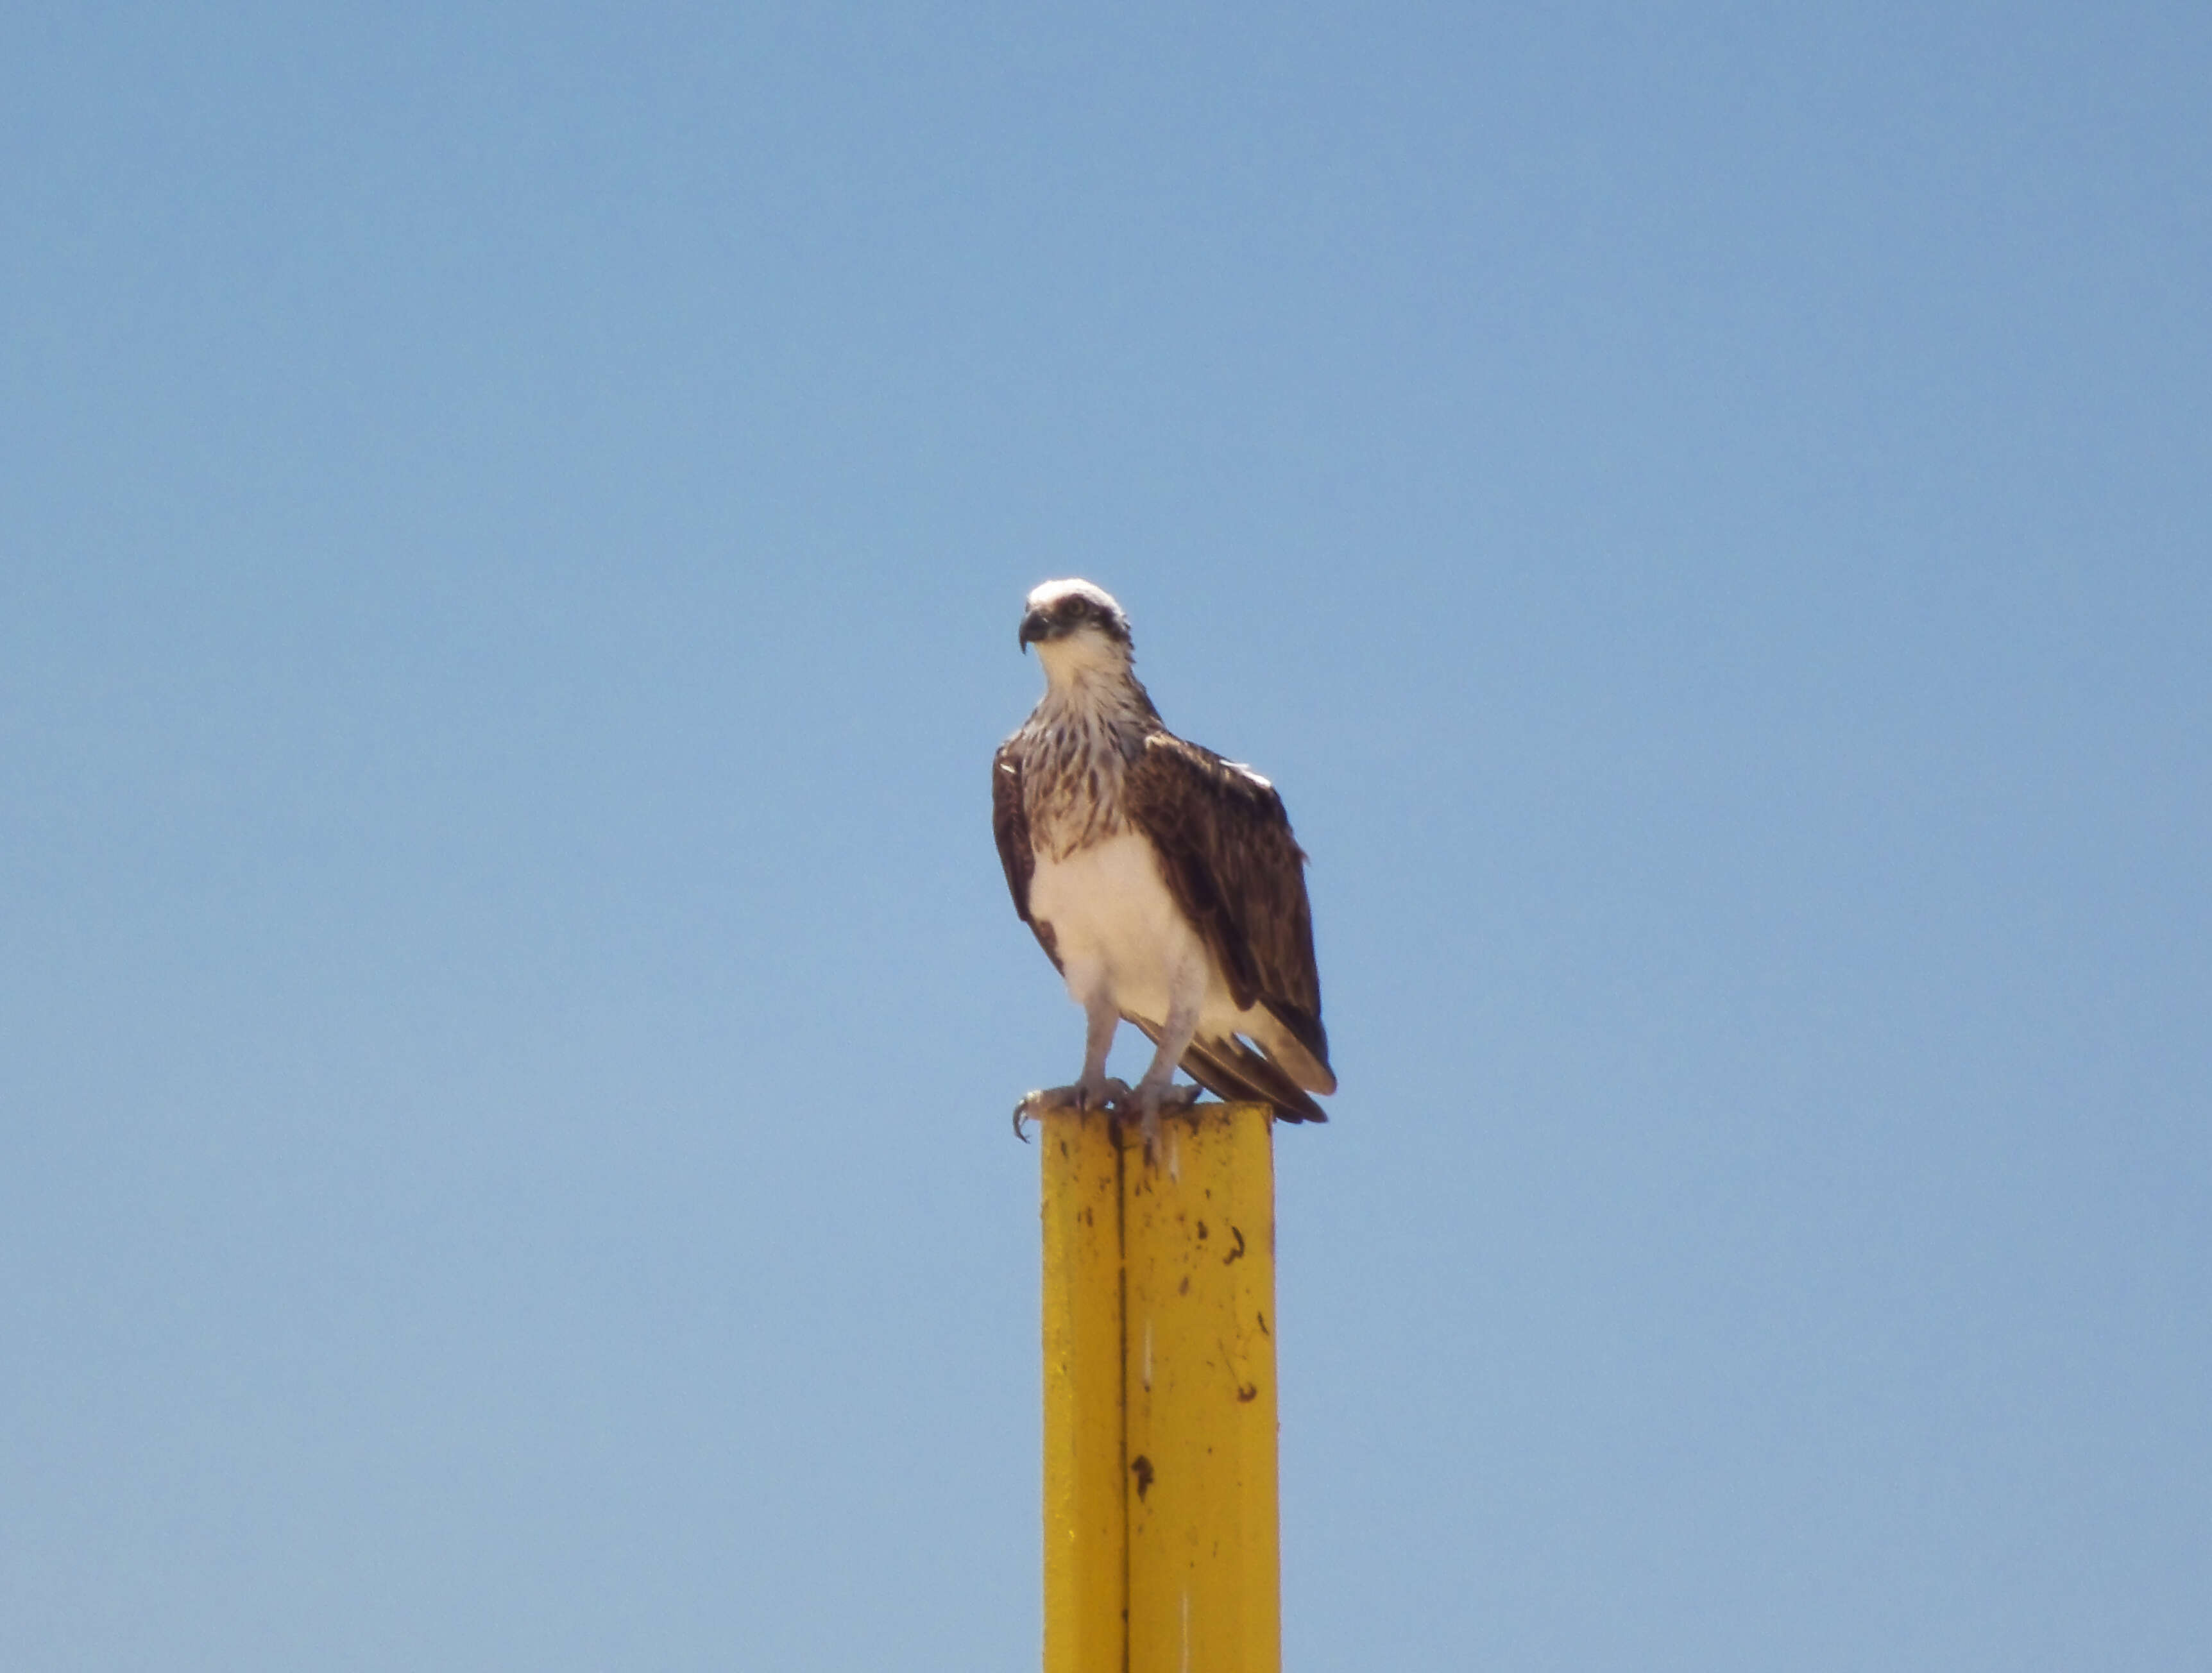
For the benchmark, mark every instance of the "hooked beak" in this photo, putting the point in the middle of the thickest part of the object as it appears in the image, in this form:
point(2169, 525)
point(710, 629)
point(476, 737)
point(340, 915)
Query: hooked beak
point(1035, 626)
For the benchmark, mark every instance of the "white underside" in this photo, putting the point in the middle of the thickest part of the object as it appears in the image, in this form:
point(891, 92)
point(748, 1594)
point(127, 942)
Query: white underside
point(1121, 937)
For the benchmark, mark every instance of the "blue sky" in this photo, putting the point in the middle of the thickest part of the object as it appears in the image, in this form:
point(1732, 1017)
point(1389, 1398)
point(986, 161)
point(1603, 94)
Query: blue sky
point(511, 526)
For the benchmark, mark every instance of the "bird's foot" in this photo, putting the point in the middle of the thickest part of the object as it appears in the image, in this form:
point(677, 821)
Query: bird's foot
point(1148, 1103)
point(1104, 1094)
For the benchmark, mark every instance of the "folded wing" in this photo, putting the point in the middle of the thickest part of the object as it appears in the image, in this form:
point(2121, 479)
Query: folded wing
point(1234, 868)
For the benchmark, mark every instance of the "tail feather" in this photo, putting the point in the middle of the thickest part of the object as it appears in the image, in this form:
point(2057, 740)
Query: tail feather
point(1229, 1068)
point(1292, 1052)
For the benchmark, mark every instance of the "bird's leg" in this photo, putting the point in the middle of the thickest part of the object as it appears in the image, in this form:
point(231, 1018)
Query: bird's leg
point(1100, 1020)
point(1095, 1091)
point(1156, 1090)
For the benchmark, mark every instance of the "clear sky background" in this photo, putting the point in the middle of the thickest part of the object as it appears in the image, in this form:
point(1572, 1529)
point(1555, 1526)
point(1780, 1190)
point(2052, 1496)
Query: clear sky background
point(513, 521)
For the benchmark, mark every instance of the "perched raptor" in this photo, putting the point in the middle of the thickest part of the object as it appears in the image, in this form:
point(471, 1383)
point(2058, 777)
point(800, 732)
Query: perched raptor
point(1161, 881)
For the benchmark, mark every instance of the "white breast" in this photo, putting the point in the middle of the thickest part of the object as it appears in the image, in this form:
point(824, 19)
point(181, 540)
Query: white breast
point(1113, 921)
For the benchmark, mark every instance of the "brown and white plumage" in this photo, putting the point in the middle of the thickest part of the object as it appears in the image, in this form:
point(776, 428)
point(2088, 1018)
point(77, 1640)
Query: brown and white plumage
point(1162, 881)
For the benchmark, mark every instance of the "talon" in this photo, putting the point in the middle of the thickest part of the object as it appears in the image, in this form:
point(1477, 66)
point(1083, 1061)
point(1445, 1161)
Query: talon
point(1038, 1104)
point(1146, 1104)
point(1032, 1105)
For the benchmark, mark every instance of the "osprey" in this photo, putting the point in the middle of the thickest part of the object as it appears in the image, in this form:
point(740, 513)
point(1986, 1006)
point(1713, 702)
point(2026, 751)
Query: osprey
point(1161, 881)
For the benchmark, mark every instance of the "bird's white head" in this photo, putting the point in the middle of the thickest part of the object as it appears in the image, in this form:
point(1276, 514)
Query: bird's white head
point(1078, 631)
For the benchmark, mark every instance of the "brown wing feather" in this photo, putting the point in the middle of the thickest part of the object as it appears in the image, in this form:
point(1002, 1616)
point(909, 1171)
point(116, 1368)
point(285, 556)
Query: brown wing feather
point(1234, 867)
point(1010, 825)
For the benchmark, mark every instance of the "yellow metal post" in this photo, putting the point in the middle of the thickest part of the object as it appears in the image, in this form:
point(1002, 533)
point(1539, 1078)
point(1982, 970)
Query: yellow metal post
point(1199, 1238)
point(1172, 1565)
point(1086, 1527)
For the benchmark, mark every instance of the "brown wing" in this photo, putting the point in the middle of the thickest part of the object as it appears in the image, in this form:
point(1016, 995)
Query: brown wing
point(1236, 872)
point(1010, 825)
